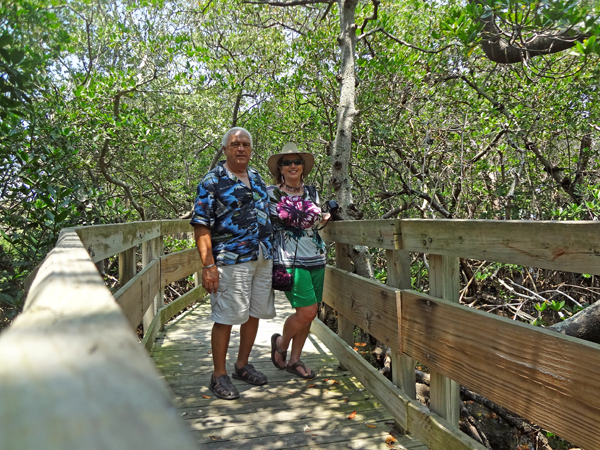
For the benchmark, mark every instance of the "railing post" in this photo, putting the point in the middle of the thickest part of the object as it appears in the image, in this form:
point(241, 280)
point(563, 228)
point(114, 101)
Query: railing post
point(403, 367)
point(151, 250)
point(127, 267)
point(444, 283)
point(345, 326)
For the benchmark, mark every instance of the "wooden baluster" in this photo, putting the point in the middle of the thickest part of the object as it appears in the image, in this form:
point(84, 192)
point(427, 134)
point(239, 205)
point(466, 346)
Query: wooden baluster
point(345, 326)
point(127, 265)
point(444, 283)
point(403, 367)
point(151, 250)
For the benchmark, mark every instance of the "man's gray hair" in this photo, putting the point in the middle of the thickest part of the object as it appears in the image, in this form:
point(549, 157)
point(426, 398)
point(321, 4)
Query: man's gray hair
point(233, 131)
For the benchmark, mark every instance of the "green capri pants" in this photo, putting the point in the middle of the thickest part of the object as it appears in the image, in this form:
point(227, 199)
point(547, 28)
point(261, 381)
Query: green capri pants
point(308, 287)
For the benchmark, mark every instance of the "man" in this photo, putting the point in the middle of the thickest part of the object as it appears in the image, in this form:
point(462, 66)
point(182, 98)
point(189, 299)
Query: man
point(233, 234)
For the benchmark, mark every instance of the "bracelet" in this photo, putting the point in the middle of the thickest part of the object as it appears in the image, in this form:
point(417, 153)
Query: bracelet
point(208, 267)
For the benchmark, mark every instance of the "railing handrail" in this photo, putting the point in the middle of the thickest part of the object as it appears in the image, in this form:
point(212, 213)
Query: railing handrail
point(571, 246)
point(72, 373)
point(539, 374)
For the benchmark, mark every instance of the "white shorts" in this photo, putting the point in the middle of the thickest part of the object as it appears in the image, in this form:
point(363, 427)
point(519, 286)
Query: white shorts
point(244, 290)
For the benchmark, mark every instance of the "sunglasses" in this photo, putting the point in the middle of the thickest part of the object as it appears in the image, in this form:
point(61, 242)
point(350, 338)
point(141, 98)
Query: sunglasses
point(289, 162)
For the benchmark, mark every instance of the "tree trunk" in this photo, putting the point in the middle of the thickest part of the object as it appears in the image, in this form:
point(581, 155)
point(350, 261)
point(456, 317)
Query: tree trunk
point(342, 144)
point(583, 325)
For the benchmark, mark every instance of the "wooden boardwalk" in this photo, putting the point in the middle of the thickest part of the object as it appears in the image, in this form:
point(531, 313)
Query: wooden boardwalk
point(287, 412)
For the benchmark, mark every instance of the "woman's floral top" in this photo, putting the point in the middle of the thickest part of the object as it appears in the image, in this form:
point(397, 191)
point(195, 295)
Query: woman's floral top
point(295, 220)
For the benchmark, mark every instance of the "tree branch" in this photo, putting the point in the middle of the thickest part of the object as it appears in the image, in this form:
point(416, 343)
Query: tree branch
point(502, 51)
point(400, 41)
point(292, 3)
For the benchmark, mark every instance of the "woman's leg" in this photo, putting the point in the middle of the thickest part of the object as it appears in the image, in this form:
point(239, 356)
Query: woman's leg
point(296, 329)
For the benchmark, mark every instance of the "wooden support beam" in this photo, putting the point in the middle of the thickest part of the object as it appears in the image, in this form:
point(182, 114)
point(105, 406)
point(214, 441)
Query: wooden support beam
point(127, 266)
point(152, 250)
point(444, 283)
point(345, 325)
point(403, 366)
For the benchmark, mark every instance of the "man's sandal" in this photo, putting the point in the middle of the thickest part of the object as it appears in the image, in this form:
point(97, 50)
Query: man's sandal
point(274, 349)
point(223, 388)
point(294, 369)
point(249, 374)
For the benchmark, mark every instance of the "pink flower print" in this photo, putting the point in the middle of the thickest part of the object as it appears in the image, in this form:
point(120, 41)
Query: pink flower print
point(298, 213)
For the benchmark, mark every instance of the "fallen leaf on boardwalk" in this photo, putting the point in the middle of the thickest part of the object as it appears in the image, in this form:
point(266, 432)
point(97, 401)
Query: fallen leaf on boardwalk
point(353, 415)
point(314, 434)
point(370, 425)
point(215, 438)
point(326, 379)
point(210, 352)
point(355, 349)
point(346, 400)
point(335, 382)
point(311, 385)
point(206, 396)
point(390, 439)
point(360, 344)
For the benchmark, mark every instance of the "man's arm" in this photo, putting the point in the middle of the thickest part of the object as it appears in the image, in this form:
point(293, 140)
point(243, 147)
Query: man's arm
point(210, 276)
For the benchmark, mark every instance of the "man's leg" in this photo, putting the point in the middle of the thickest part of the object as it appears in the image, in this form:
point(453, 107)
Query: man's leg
point(247, 336)
point(220, 342)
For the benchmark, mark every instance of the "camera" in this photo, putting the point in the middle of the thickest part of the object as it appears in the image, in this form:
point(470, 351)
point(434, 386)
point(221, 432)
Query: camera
point(331, 206)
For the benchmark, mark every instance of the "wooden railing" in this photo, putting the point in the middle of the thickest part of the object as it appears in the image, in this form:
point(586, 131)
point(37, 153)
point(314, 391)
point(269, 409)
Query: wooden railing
point(548, 378)
point(73, 375)
point(72, 372)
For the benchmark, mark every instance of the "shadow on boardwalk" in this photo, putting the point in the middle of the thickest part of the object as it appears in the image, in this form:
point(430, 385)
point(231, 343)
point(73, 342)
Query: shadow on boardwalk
point(288, 412)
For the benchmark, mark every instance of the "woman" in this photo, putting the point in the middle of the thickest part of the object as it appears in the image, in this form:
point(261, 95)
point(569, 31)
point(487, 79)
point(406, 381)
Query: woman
point(296, 216)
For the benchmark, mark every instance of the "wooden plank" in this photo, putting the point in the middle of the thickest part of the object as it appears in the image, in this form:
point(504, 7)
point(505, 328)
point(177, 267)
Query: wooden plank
point(151, 250)
point(169, 227)
point(73, 374)
point(103, 241)
point(444, 283)
point(138, 294)
point(570, 246)
point(398, 276)
point(343, 262)
point(167, 312)
point(432, 430)
point(367, 303)
point(546, 377)
point(372, 233)
point(176, 266)
point(127, 266)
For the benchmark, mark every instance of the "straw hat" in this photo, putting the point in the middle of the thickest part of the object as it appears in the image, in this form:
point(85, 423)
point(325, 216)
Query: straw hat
point(290, 149)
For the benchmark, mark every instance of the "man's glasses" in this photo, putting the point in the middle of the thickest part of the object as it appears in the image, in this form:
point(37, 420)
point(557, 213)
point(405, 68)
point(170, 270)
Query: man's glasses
point(289, 162)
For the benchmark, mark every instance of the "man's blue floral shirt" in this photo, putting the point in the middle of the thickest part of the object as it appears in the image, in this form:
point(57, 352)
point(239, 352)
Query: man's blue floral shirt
point(238, 217)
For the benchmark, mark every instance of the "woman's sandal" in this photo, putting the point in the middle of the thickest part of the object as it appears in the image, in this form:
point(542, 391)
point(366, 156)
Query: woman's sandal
point(294, 369)
point(249, 374)
point(223, 388)
point(274, 349)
